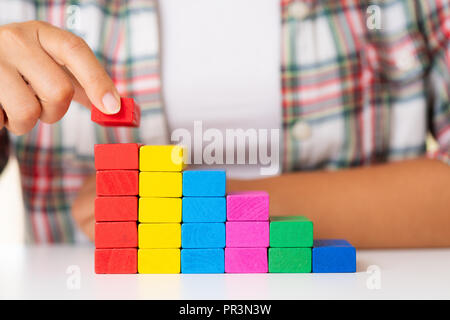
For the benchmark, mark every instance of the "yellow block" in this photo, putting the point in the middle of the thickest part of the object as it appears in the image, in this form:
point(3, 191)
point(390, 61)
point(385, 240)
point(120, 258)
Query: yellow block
point(160, 210)
point(161, 158)
point(159, 260)
point(160, 184)
point(159, 235)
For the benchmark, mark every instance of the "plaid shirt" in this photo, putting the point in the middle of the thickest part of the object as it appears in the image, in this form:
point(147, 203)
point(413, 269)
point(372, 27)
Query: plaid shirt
point(352, 95)
point(355, 95)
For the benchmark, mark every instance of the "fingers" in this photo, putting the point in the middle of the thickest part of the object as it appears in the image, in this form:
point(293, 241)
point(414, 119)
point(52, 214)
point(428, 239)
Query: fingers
point(84, 203)
point(83, 207)
point(48, 80)
point(18, 101)
point(83, 215)
point(72, 52)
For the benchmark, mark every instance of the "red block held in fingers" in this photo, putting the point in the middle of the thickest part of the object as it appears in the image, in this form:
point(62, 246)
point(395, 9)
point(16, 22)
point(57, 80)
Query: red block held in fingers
point(116, 260)
point(117, 156)
point(128, 116)
point(116, 208)
point(117, 183)
point(116, 235)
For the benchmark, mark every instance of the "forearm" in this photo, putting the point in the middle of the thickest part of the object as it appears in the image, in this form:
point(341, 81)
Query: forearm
point(404, 204)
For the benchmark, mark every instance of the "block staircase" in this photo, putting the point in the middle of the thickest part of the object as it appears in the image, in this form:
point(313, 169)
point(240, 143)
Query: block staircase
point(153, 216)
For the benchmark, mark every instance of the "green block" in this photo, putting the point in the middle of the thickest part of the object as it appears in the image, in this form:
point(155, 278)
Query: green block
point(290, 260)
point(291, 232)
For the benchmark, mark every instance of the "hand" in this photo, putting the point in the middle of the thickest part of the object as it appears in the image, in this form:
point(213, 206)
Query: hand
point(83, 208)
point(42, 69)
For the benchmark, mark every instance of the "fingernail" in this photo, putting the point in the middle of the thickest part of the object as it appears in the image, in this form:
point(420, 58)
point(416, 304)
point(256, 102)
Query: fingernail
point(111, 104)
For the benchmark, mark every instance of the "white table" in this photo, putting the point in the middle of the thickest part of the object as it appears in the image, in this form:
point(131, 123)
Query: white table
point(53, 272)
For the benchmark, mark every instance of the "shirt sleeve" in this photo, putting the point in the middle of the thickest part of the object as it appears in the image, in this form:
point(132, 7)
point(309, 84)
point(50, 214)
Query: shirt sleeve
point(434, 21)
point(4, 149)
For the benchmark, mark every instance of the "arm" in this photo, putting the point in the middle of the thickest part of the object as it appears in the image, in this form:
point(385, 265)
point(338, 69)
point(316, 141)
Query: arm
point(405, 204)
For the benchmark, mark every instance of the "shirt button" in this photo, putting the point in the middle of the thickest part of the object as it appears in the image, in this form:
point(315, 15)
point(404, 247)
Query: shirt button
point(301, 130)
point(299, 10)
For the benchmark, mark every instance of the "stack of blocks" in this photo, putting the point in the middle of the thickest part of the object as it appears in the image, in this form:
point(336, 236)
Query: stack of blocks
point(160, 191)
point(116, 208)
point(247, 232)
point(204, 215)
point(291, 240)
point(188, 224)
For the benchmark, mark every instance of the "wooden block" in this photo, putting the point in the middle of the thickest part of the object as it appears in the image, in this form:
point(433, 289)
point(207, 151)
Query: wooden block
point(116, 156)
point(156, 210)
point(159, 235)
point(204, 209)
point(160, 184)
point(159, 261)
point(247, 234)
point(202, 261)
point(117, 183)
point(246, 260)
point(116, 208)
point(291, 232)
point(116, 260)
point(204, 183)
point(128, 116)
point(161, 158)
point(116, 235)
point(248, 206)
point(290, 260)
point(202, 235)
point(333, 256)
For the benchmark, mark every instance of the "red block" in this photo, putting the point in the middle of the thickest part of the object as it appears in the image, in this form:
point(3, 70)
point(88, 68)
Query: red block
point(116, 260)
point(116, 235)
point(117, 156)
point(117, 183)
point(116, 208)
point(128, 116)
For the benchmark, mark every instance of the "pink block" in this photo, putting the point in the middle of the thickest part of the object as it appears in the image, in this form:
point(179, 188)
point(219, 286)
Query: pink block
point(246, 260)
point(248, 206)
point(247, 234)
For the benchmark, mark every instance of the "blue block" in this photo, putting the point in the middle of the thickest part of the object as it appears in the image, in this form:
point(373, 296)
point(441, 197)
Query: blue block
point(204, 183)
point(202, 235)
point(333, 256)
point(204, 209)
point(202, 261)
